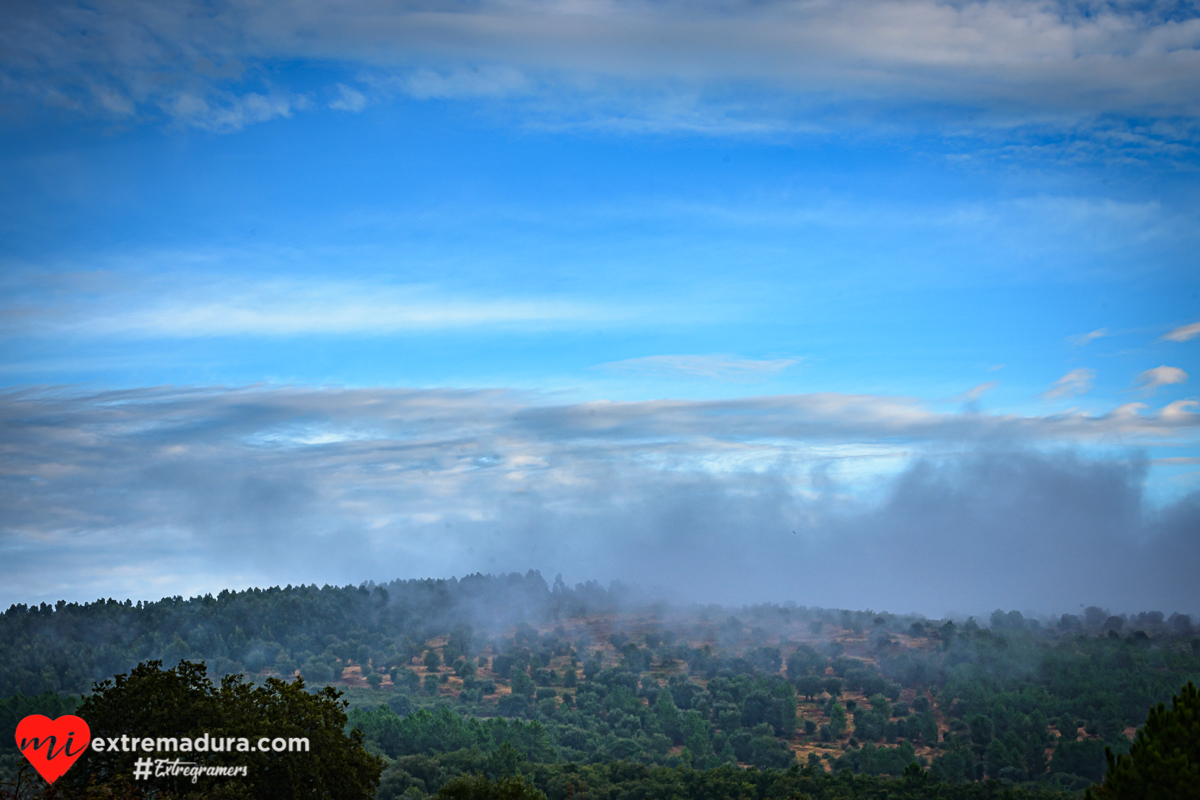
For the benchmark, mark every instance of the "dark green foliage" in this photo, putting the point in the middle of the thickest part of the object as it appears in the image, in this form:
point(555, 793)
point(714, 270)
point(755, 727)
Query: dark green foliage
point(182, 702)
point(809, 686)
point(998, 688)
point(870, 725)
point(623, 780)
point(871, 760)
point(15, 709)
point(66, 646)
point(767, 752)
point(805, 661)
point(1164, 761)
point(981, 729)
point(1083, 758)
point(441, 731)
point(477, 787)
point(837, 718)
point(523, 685)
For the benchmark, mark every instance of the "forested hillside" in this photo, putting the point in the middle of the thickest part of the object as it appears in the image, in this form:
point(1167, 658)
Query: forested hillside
point(498, 675)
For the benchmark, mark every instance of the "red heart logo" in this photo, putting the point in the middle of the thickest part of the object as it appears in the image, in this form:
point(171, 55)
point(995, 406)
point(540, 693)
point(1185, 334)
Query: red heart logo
point(52, 745)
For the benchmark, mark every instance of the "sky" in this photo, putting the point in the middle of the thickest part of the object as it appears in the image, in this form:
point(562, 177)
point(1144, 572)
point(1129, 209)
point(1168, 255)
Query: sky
point(889, 305)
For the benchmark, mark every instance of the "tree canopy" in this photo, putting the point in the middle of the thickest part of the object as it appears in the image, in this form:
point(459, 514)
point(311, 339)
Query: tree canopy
point(1164, 761)
point(182, 702)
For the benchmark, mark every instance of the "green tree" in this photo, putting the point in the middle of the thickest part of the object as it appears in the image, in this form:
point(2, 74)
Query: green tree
point(695, 734)
point(783, 710)
point(981, 729)
point(432, 660)
point(805, 661)
point(808, 686)
point(667, 715)
point(181, 703)
point(1164, 761)
point(477, 787)
point(522, 684)
point(996, 757)
point(837, 718)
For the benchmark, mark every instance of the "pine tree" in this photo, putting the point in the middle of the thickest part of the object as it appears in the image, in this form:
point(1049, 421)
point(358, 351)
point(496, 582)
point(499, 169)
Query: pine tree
point(1164, 761)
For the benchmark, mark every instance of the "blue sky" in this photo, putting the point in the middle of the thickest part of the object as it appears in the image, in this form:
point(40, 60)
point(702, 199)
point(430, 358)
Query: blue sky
point(860, 242)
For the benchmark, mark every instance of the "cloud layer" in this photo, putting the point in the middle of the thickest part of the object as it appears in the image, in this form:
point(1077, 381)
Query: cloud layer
point(101, 304)
point(706, 66)
point(162, 491)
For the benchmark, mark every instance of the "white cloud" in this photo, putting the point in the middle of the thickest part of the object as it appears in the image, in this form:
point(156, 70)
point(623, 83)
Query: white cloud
point(1084, 339)
point(718, 366)
point(1183, 333)
point(349, 99)
point(1074, 383)
point(225, 112)
point(1151, 379)
point(215, 307)
point(482, 81)
point(973, 394)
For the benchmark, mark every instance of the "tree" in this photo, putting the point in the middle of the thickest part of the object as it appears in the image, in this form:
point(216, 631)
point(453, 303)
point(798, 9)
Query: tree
point(181, 703)
point(1164, 761)
point(432, 660)
point(522, 684)
point(806, 660)
point(808, 685)
point(981, 729)
point(837, 718)
point(667, 715)
point(477, 787)
point(783, 710)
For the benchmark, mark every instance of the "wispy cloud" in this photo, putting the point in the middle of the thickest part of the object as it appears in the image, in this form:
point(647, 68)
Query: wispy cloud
point(1177, 460)
point(226, 307)
point(480, 81)
point(717, 367)
point(1150, 380)
point(1183, 333)
point(349, 99)
point(973, 395)
point(1084, 339)
point(1074, 383)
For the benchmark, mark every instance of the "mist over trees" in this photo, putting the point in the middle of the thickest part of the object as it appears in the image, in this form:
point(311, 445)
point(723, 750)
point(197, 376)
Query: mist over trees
point(509, 675)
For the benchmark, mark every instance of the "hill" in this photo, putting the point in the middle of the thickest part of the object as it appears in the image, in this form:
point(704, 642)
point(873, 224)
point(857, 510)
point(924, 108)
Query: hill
point(496, 674)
